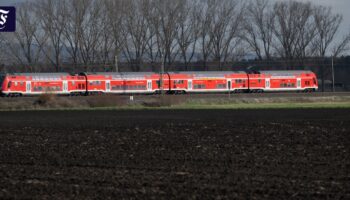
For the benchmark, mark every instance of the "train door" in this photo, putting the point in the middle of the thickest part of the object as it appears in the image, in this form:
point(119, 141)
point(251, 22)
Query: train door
point(65, 86)
point(189, 85)
point(108, 86)
point(28, 86)
point(149, 85)
point(298, 83)
point(267, 83)
point(229, 84)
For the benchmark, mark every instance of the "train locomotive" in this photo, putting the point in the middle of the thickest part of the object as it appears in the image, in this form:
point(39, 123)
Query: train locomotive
point(26, 84)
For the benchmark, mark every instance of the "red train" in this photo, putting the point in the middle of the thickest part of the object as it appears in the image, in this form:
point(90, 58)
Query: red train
point(18, 84)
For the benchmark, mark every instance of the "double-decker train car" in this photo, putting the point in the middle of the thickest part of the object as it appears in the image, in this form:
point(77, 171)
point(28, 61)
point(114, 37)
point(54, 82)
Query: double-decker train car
point(120, 83)
point(203, 82)
point(19, 84)
point(281, 81)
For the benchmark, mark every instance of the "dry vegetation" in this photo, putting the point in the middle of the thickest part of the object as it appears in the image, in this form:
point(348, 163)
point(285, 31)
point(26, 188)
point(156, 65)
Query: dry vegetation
point(51, 101)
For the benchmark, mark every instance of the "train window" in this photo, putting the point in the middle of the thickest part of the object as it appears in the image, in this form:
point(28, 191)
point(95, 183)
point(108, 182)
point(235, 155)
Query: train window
point(178, 82)
point(73, 83)
point(22, 83)
point(199, 86)
point(239, 81)
point(142, 87)
point(95, 82)
point(259, 80)
point(38, 88)
point(220, 86)
point(9, 84)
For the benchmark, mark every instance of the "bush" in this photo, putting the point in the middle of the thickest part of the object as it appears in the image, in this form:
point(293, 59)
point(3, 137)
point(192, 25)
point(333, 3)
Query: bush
point(45, 99)
point(106, 101)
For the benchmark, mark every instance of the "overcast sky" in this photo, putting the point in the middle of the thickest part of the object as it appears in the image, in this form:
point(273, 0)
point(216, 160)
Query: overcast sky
point(339, 6)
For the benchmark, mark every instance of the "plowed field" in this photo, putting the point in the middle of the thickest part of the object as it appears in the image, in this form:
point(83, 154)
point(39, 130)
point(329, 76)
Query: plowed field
point(183, 154)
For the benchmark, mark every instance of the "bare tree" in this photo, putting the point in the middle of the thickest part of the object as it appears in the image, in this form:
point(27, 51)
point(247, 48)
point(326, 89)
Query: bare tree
point(165, 19)
point(89, 40)
point(291, 22)
point(53, 19)
point(258, 26)
point(24, 45)
point(327, 25)
point(136, 32)
point(342, 46)
point(105, 53)
point(115, 12)
point(77, 10)
point(205, 14)
point(225, 30)
point(188, 32)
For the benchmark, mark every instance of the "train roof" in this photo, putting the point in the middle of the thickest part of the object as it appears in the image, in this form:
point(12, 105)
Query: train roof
point(40, 74)
point(119, 73)
point(285, 73)
point(208, 73)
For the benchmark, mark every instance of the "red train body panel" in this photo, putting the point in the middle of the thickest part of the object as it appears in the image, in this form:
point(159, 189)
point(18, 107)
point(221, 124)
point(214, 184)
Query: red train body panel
point(148, 83)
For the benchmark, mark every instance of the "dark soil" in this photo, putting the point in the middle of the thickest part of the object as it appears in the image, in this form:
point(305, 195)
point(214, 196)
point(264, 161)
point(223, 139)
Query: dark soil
point(182, 154)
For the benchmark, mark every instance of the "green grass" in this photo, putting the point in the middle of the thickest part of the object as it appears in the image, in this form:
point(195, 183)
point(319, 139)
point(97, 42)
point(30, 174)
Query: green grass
point(316, 105)
point(265, 105)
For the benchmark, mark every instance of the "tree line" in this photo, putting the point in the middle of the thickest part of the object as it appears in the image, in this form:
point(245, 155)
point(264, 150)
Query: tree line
point(87, 32)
